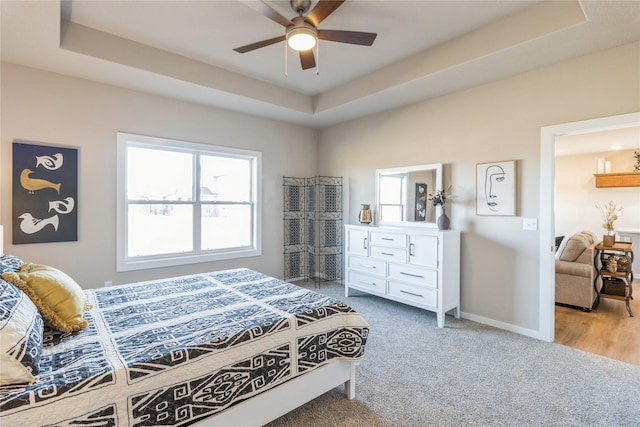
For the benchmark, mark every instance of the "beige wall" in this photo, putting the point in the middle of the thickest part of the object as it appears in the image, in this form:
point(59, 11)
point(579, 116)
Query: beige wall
point(497, 121)
point(45, 107)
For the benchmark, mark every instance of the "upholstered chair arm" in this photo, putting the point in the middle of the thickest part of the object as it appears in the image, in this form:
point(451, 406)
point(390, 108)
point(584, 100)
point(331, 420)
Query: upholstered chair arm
point(574, 269)
point(586, 257)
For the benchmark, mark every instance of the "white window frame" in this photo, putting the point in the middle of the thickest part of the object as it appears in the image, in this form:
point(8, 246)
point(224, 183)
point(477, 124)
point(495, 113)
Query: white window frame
point(125, 263)
point(402, 196)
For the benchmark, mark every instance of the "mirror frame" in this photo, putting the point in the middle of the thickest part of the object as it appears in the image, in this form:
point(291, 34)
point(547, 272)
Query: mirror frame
point(437, 167)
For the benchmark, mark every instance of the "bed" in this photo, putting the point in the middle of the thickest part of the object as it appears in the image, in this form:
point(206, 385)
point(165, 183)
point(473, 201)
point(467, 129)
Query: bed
point(233, 347)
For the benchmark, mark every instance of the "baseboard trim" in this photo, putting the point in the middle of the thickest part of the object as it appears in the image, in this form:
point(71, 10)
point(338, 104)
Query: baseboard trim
point(502, 325)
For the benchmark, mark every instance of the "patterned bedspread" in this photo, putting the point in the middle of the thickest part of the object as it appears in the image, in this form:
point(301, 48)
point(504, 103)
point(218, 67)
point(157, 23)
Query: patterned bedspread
point(174, 351)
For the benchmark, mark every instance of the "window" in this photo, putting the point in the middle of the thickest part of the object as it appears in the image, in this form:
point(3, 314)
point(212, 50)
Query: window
point(392, 199)
point(182, 203)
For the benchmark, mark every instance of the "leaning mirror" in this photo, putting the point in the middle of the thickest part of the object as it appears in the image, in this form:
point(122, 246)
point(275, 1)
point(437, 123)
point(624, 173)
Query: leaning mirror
point(402, 195)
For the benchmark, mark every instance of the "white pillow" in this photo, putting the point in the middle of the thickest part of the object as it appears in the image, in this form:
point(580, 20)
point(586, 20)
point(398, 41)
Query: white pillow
point(21, 328)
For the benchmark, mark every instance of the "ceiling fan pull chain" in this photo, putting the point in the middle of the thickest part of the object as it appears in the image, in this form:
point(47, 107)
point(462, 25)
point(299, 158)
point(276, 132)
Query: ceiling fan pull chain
point(318, 57)
point(285, 60)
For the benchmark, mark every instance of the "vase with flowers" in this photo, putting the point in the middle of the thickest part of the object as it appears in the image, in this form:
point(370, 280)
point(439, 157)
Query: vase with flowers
point(440, 198)
point(610, 213)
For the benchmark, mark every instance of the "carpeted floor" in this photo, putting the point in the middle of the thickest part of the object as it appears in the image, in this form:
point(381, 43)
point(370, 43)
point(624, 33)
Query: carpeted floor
point(468, 374)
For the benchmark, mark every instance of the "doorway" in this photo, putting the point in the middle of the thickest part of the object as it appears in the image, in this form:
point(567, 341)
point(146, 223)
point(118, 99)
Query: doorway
point(547, 206)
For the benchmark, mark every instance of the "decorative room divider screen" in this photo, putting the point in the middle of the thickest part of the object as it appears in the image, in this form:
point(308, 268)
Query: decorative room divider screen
point(313, 228)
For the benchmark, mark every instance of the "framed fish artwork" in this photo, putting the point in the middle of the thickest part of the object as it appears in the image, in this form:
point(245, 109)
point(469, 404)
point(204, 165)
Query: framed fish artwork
point(45, 193)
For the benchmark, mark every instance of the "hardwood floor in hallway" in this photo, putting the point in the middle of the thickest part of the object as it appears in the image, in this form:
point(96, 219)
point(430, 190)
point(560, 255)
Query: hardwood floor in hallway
point(608, 331)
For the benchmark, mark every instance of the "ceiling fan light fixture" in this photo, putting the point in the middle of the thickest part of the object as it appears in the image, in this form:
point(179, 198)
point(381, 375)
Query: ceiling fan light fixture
point(301, 41)
point(301, 36)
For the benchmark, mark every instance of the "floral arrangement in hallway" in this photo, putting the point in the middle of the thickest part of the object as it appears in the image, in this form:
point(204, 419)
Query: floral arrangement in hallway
point(610, 213)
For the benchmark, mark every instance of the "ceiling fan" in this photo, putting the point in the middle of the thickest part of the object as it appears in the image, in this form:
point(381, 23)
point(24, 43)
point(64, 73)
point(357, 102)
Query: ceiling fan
point(302, 33)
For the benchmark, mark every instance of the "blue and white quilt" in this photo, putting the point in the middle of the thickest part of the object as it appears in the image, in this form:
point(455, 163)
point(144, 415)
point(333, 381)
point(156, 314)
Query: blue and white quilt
point(175, 351)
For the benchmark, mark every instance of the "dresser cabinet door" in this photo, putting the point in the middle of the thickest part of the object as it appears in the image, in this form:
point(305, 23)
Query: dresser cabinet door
point(423, 250)
point(359, 242)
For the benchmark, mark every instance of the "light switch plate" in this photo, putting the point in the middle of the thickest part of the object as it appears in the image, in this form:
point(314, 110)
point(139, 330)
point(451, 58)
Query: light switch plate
point(529, 223)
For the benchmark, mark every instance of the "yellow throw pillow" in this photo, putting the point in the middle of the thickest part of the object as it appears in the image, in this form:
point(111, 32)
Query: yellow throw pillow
point(58, 297)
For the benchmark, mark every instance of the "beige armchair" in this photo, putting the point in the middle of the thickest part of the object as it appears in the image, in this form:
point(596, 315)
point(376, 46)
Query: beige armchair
point(575, 271)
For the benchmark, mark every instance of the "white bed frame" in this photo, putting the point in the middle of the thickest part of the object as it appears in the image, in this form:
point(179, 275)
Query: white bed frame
point(274, 403)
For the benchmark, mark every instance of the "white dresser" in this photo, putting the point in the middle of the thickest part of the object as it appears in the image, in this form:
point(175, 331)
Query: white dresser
point(415, 266)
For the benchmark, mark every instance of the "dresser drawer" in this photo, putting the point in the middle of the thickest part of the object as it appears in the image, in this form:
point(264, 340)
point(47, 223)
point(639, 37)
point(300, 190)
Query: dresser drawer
point(372, 266)
point(367, 282)
point(417, 275)
point(389, 254)
point(415, 294)
point(398, 240)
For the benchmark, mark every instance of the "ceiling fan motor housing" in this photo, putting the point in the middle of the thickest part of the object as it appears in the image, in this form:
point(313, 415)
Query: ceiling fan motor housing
point(300, 6)
point(301, 28)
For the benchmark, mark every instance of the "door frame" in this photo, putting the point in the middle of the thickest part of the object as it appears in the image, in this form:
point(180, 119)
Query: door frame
point(548, 135)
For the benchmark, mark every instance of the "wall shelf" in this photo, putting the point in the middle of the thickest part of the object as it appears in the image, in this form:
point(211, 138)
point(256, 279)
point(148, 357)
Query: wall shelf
point(622, 179)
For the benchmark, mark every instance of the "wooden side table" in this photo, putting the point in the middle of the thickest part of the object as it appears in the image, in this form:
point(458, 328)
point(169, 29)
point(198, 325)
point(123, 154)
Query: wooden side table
point(624, 292)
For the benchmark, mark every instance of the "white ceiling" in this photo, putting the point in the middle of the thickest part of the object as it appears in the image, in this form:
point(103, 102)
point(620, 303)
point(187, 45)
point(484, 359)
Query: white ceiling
point(424, 49)
point(627, 138)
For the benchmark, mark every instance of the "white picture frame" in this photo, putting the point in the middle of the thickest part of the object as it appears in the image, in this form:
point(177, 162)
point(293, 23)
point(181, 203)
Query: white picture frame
point(496, 188)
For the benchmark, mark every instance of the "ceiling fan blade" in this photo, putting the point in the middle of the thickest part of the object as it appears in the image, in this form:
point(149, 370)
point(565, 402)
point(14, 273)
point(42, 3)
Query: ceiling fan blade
point(351, 37)
point(266, 10)
point(307, 60)
point(258, 45)
point(323, 9)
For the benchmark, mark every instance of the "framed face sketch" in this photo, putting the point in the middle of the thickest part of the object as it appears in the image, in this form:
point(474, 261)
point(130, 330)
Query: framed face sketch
point(496, 188)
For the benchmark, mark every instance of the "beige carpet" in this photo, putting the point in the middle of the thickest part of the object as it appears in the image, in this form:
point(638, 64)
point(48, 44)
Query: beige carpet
point(468, 374)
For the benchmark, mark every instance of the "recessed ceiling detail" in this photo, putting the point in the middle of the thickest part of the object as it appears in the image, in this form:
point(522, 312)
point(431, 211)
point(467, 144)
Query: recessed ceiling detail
point(183, 49)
